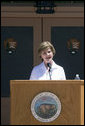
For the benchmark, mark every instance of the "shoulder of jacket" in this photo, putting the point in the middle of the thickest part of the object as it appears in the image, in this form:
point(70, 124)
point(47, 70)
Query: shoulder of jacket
point(38, 66)
point(58, 66)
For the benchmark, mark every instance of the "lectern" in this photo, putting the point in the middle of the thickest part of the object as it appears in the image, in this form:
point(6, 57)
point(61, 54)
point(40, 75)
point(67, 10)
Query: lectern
point(69, 92)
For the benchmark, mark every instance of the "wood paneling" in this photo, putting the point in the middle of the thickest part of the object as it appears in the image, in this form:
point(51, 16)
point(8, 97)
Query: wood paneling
point(5, 111)
point(17, 11)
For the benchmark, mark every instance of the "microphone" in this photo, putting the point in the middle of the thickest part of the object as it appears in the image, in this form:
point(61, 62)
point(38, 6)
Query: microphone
point(49, 65)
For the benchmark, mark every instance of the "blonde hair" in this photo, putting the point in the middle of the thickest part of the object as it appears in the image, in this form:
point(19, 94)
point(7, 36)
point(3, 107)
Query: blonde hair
point(45, 45)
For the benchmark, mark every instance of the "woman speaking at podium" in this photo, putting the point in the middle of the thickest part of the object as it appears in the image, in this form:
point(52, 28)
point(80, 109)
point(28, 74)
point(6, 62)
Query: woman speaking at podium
point(48, 69)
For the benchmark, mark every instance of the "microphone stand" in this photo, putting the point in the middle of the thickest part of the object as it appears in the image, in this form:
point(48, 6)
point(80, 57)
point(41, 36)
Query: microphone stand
point(49, 65)
point(50, 74)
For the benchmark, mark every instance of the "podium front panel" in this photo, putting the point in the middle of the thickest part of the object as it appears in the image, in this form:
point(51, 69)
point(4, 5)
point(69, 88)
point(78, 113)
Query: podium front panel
point(69, 92)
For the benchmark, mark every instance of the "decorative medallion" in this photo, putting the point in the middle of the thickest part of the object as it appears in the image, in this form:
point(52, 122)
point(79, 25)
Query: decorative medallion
point(73, 45)
point(10, 45)
point(46, 107)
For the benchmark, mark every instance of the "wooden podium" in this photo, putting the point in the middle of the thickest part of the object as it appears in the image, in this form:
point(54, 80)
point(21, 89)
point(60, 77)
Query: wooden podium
point(70, 93)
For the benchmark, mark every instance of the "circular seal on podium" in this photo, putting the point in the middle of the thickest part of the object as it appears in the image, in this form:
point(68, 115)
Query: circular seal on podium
point(46, 107)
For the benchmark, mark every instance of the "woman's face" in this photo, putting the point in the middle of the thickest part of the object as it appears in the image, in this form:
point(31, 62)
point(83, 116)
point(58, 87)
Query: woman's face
point(47, 55)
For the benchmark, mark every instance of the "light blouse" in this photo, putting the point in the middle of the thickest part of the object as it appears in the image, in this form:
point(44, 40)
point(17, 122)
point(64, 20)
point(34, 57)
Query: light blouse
point(40, 72)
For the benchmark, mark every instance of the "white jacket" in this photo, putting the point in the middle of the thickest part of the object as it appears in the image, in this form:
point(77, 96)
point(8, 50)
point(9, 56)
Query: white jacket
point(40, 72)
